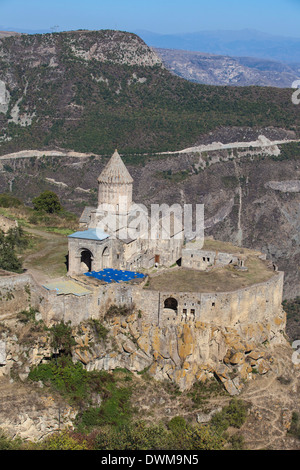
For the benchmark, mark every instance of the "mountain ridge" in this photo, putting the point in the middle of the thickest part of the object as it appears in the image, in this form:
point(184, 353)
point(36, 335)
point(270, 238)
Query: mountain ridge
point(214, 69)
point(96, 91)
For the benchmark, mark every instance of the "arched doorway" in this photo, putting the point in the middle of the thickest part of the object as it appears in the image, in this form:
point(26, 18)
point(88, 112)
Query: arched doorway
point(171, 304)
point(105, 258)
point(86, 259)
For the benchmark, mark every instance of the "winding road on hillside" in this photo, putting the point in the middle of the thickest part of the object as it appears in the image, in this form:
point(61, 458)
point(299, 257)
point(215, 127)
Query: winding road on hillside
point(261, 142)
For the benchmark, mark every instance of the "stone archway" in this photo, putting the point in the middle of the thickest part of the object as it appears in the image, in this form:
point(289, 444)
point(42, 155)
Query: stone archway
point(105, 258)
point(86, 260)
point(171, 304)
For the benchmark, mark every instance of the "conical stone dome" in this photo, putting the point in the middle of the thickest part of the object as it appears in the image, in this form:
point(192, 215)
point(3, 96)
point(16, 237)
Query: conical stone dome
point(115, 185)
point(115, 172)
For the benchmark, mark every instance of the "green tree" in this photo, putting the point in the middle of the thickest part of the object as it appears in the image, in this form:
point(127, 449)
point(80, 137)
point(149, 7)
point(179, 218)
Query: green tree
point(62, 338)
point(8, 257)
point(48, 202)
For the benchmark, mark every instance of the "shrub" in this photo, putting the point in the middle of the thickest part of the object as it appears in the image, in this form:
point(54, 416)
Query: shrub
point(203, 438)
point(122, 310)
point(26, 316)
point(99, 329)
point(64, 376)
point(7, 443)
point(62, 339)
point(64, 440)
point(140, 436)
point(234, 414)
point(48, 202)
point(7, 200)
point(177, 425)
point(115, 410)
point(295, 425)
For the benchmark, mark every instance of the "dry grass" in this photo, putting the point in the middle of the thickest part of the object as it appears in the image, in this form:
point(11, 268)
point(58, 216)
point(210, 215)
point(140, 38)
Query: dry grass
point(48, 253)
point(216, 280)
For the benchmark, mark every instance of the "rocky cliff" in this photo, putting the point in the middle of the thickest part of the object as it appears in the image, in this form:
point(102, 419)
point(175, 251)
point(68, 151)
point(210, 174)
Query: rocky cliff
point(183, 353)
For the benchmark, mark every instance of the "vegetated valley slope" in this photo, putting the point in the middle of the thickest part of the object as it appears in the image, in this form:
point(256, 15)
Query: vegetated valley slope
point(91, 91)
point(95, 91)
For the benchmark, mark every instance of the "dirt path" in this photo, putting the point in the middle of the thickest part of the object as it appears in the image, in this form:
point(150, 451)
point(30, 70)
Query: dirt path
point(46, 261)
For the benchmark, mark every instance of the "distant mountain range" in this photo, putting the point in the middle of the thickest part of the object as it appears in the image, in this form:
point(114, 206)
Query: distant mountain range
point(244, 43)
point(212, 69)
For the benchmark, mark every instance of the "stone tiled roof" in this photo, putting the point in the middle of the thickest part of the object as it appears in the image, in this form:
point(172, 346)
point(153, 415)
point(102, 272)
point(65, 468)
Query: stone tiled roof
point(115, 171)
point(86, 214)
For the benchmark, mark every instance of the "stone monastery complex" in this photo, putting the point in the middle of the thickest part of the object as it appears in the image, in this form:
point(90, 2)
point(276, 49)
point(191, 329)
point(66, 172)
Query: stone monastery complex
point(95, 249)
point(184, 311)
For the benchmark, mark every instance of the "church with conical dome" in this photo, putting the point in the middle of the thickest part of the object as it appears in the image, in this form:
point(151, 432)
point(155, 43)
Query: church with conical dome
point(118, 233)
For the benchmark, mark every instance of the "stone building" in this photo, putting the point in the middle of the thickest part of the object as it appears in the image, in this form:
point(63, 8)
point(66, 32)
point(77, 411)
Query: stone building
point(118, 233)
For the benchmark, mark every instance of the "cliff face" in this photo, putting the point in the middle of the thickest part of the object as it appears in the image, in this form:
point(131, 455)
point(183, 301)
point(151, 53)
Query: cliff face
point(188, 352)
point(183, 353)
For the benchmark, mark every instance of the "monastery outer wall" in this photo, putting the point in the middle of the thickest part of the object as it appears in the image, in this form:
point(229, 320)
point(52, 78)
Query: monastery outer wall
point(81, 308)
point(249, 305)
point(254, 304)
point(259, 303)
point(18, 292)
point(66, 307)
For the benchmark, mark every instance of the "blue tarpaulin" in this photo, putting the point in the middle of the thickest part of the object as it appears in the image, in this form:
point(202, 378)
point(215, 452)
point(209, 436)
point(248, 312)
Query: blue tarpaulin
point(114, 275)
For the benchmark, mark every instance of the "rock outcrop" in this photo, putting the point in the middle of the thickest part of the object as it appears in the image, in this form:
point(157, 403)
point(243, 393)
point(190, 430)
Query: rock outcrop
point(182, 353)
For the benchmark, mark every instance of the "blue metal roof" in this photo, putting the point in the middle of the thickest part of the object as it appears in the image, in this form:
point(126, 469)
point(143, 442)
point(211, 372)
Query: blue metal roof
point(115, 275)
point(90, 234)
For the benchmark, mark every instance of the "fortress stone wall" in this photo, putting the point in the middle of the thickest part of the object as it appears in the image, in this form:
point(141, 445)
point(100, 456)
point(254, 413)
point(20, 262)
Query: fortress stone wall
point(18, 292)
point(191, 343)
point(257, 303)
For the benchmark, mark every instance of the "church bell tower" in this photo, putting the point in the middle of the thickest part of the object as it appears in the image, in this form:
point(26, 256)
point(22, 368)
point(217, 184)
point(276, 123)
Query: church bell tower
point(115, 186)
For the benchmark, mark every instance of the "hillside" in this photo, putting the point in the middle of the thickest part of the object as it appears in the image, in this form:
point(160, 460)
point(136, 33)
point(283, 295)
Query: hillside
point(212, 69)
point(92, 91)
